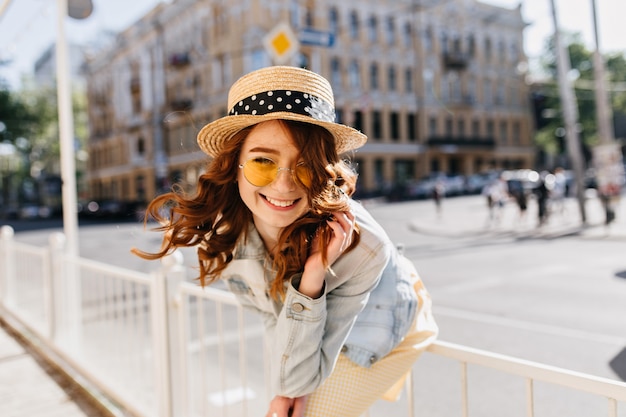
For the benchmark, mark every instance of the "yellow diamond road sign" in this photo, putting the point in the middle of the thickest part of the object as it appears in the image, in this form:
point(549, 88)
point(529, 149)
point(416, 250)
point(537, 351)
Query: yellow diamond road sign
point(281, 43)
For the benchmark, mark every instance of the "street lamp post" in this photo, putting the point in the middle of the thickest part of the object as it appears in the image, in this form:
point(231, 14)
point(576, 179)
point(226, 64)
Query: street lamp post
point(570, 115)
point(603, 108)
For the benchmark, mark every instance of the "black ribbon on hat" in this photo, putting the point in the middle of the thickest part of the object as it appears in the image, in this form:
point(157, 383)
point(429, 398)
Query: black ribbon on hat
point(290, 101)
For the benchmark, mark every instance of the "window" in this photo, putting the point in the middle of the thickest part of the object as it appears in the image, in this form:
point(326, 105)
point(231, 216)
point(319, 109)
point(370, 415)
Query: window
point(354, 25)
point(476, 128)
point(432, 126)
point(395, 125)
point(358, 120)
point(490, 129)
point(455, 88)
point(404, 171)
point(372, 29)
point(501, 51)
point(354, 75)
point(412, 127)
point(444, 42)
point(504, 137)
point(516, 133)
point(140, 188)
point(407, 34)
point(449, 127)
point(335, 73)
point(390, 30)
point(308, 18)
point(259, 58)
point(339, 116)
point(295, 15)
point(408, 80)
point(487, 49)
point(374, 76)
point(471, 45)
point(471, 90)
point(379, 172)
point(333, 20)
point(303, 60)
point(428, 39)
point(377, 128)
point(514, 52)
point(500, 94)
point(357, 164)
point(141, 146)
point(487, 93)
point(460, 127)
point(391, 79)
point(456, 45)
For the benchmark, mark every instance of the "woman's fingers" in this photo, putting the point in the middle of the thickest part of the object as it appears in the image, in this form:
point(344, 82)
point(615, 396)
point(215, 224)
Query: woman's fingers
point(343, 229)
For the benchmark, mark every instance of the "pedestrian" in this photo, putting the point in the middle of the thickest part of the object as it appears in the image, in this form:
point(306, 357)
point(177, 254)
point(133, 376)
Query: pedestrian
point(518, 192)
point(439, 192)
point(558, 192)
point(345, 314)
point(497, 193)
point(542, 194)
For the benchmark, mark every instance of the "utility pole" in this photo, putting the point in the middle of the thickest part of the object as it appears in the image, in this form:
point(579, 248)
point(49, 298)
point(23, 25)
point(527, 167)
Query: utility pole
point(570, 116)
point(607, 155)
point(604, 113)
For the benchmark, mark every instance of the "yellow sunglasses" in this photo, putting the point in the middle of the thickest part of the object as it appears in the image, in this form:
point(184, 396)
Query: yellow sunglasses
point(263, 171)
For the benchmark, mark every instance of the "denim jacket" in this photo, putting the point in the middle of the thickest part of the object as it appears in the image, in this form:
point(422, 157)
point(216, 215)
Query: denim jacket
point(367, 306)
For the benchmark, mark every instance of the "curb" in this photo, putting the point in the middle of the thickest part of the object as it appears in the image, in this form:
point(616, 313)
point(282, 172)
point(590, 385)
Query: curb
point(92, 402)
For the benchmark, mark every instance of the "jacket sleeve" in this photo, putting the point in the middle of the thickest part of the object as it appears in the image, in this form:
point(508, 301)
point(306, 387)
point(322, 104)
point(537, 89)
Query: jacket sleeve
point(309, 333)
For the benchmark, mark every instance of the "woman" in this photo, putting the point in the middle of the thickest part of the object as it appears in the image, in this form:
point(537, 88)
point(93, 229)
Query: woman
point(345, 314)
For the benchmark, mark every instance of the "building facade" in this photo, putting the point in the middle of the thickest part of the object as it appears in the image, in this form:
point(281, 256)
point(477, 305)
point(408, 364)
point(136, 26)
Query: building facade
point(435, 85)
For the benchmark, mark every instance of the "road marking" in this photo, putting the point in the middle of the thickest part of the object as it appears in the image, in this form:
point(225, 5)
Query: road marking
point(472, 285)
point(528, 326)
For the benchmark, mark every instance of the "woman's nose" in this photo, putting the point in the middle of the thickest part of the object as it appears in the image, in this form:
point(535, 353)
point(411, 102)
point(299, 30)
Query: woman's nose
point(284, 180)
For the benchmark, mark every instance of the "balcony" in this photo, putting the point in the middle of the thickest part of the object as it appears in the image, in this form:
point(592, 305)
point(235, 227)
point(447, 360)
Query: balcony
point(455, 60)
point(135, 85)
point(180, 59)
point(466, 100)
point(464, 142)
point(181, 104)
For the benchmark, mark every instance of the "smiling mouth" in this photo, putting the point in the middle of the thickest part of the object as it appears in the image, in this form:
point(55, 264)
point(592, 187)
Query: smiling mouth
point(280, 203)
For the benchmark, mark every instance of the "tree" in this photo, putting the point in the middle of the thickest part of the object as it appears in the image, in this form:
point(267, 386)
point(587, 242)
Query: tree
point(549, 135)
point(18, 118)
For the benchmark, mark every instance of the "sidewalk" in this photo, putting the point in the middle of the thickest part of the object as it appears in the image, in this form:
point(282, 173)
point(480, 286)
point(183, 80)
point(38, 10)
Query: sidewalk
point(30, 387)
point(469, 218)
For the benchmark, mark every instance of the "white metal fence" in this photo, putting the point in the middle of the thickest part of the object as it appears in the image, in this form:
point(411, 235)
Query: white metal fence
point(157, 345)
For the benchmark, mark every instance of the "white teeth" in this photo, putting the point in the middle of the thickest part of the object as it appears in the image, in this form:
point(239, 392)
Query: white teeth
point(280, 203)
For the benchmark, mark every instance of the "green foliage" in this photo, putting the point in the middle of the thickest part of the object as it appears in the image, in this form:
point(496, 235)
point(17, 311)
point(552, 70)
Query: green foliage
point(581, 61)
point(19, 119)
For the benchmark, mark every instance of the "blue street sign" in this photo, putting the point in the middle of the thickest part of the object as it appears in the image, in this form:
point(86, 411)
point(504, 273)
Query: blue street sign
point(316, 37)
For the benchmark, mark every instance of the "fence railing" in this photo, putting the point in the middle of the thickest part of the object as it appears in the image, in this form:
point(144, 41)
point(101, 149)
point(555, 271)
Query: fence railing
point(157, 345)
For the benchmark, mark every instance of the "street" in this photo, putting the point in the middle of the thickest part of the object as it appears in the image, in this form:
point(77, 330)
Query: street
point(552, 295)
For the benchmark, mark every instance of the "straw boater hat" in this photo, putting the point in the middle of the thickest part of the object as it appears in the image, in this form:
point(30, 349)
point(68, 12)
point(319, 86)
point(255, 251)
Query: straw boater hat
point(279, 92)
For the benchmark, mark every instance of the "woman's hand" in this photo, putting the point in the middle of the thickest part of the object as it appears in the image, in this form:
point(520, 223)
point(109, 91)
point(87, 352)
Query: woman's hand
point(342, 226)
point(287, 407)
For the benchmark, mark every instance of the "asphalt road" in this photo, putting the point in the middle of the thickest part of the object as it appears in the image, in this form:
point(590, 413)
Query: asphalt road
point(552, 295)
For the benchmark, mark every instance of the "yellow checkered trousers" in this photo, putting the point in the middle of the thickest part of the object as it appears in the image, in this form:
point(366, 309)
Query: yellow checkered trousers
point(351, 389)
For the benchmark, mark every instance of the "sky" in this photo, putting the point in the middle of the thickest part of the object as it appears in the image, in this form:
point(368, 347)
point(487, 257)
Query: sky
point(28, 27)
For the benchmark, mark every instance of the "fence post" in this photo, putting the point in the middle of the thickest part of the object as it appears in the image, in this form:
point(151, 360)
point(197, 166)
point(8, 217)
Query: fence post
point(66, 295)
point(57, 243)
point(171, 376)
point(7, 274)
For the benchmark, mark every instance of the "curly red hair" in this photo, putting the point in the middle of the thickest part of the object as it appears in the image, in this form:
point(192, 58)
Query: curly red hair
point(215, 218)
